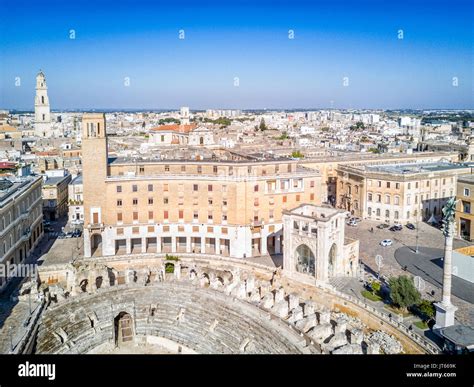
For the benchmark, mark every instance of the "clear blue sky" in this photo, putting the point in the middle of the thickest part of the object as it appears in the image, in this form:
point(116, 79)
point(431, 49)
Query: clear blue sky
point(244, 39)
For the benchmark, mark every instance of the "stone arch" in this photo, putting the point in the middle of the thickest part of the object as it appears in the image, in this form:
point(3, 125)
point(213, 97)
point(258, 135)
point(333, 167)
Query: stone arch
point(305, 260)
point(123, 328)
point(96, 243)
point(205, 280)
point(83, 284)
point(99, 281)
point(332, 259)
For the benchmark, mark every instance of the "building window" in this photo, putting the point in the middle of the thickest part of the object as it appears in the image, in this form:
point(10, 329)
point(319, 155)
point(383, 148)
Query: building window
point(255, 202)
point(214, 168)
point(209, 201)
point(165, 200)
point(150, 215)
point(444, 181)
point(209, 188)
point(135, 216)
point(165, 214)
point(369, 197)
point(311, 184)
point(135, 202)
point(379, 198)
point(311, 196)
point(255, 188)
point(395, 215)
point(387, 199)
point(408, 200)
point(195, 187)
point(387, 213)
point(167, 168)
point(142, 169)
point(379, 184)
point(467, 192)
point(183, 168)
point(369, 211)
point(377, 212)
point(209, 215)
point(119, 188)
point(150, 200)
point(466, 207)
point(284, 199)
point(195, 215)
point(165, 187)
point(134, 188)
point(409, 185)
point(199, 169)
point(150, 187)
point(181, 214)
point(119, 217)
point(119, 203)
point(397, 185)
point(388, 184)
point(397, 200)
point(297, 198)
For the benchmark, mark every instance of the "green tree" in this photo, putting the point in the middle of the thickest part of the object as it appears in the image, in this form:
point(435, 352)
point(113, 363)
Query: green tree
point(403, 292)
point(262, 125)
point(427, 308)
point(297, 154)
point(375, 287)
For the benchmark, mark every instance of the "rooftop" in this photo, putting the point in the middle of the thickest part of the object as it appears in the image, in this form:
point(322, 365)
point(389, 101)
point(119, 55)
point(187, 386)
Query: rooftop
point(12, 187)
point(413, 168)
point(462, 335)
point(320, 213)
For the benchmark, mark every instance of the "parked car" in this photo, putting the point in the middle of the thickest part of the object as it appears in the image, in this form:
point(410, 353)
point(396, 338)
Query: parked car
point(352, 223)
point(386, 242)
point(396, 227)
point(383, 225)
point(410, 226)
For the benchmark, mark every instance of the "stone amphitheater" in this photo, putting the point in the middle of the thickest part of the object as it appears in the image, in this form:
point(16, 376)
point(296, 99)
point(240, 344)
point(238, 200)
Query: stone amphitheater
point(205, 305)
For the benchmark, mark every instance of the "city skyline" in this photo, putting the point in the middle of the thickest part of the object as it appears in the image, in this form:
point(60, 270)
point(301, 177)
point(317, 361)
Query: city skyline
point(241, 56)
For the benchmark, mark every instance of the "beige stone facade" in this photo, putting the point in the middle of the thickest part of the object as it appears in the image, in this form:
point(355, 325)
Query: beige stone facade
point(465, 207)
point(397, 193)
point(21, 226)
point(230, 205)
point(315, 244)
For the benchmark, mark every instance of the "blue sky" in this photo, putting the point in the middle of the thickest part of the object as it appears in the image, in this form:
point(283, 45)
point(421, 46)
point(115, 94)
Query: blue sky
point(249, 40)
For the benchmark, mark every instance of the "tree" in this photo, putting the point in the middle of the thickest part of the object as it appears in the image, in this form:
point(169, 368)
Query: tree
point(403, 292)
point(262, 126)
point(297, 154)
point(427, 308)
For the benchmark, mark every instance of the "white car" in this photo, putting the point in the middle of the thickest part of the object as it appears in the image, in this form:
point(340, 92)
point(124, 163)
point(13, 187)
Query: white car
point(386, 242)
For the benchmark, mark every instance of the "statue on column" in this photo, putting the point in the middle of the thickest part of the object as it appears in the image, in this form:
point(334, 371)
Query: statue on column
point(445, 309)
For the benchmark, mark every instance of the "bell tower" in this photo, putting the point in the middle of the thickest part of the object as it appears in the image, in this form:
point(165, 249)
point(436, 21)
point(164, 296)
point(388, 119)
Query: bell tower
point(94, 167)
point(42, 110)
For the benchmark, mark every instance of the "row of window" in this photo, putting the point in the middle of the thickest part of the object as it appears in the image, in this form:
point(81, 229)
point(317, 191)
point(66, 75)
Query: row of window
point(183, 168)
point(210, 216)
point(210, 201)
point(388, 184)
point(396, 199)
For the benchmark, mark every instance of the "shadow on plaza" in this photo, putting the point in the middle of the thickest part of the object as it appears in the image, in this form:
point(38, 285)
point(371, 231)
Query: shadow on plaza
point(428, 264)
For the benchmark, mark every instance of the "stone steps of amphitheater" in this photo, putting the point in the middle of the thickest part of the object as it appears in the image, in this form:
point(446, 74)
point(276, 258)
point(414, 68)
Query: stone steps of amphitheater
point(237, 321)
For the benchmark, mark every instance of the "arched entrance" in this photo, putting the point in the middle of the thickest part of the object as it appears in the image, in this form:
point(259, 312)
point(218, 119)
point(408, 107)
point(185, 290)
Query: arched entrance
point(305, 260)
point(123, 324)
point(332, 259)
point(96, 244)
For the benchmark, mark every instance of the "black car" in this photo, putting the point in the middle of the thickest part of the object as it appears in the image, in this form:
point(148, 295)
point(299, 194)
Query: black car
point(395, 228)
point(382, 226)
point(410, 226)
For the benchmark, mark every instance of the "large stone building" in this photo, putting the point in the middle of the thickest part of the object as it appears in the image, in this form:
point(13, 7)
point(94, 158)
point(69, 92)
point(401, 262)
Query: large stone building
point(315, 244)
point(227, 204)
point(465, 207)
point(76, 201)
point(21, 226)
point(55, 195)
point(397, 192)
point(43, 126)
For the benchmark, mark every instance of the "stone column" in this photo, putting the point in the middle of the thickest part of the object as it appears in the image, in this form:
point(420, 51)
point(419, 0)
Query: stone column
point(173, 244)
point(445, 309)
point(128, 246)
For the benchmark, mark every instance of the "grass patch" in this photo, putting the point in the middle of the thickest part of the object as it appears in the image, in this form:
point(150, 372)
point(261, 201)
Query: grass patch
point(421, 324)
point(370, 296)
